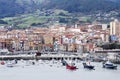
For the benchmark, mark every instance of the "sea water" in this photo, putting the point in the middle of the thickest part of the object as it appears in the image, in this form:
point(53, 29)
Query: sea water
point(53, 70)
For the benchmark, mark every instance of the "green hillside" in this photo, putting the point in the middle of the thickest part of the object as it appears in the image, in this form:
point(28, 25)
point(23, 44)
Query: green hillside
point(16, 7)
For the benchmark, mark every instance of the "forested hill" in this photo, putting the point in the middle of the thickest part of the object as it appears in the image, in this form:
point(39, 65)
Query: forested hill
point(83, 5)
point(13, 7)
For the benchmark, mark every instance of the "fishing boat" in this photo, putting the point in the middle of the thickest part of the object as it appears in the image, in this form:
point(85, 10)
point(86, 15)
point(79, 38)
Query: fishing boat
point(71, 66)
point(88, 66)
point(109, 65)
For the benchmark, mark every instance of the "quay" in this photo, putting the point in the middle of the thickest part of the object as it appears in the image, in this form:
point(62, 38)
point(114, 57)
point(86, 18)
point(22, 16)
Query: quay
point(43, 57)
point(97, 57)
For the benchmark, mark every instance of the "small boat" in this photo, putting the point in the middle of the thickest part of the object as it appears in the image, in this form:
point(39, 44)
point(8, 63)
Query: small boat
point(71, 66)
point(10, 65)
point(15, 61)
point(64, 63)
point(109, 65)
point(2, 62)
point(88, 66)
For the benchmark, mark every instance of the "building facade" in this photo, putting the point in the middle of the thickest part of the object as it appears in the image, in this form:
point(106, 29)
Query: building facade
point(115, 27)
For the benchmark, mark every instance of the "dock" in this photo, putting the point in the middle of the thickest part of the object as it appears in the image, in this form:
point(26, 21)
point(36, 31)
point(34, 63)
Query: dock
point(44, 57)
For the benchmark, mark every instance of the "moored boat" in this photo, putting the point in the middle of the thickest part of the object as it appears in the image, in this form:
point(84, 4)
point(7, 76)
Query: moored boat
point(64, 63)
point(71, 66)
point(88, 66)
point(10, 65)
point(2, 62)
point(109, 65)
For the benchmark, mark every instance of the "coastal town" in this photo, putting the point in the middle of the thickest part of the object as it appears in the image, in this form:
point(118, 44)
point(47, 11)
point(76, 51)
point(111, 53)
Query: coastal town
point(60, 38)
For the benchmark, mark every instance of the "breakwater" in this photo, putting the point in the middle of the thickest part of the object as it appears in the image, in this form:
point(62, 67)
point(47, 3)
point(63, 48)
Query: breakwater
point(44, 57)
point(54, 56)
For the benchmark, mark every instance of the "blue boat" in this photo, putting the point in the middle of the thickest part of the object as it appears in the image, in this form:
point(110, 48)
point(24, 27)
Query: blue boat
point(109, 65)
point(88, 66)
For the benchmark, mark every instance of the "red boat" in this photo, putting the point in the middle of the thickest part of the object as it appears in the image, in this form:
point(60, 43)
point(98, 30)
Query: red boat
point(2, 62)
point(71, 67)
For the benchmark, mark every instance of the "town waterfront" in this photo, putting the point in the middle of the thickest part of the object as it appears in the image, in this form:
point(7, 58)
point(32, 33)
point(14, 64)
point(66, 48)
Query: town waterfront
point(53, 70)
point(59, 39)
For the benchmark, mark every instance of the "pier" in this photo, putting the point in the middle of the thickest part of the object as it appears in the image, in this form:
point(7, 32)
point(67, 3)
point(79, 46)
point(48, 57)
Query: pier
point(44, 57)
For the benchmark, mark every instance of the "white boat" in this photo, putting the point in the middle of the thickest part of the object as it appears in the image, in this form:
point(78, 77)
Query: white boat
point(10, 65)
point(109, 65)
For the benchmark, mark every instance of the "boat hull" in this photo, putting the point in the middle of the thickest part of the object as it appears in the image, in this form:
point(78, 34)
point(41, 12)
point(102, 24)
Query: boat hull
point(109, 67)
point(88, 66)
point(71, 67)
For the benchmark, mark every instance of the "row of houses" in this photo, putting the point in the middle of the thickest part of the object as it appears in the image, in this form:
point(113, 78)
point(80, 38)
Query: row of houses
point(81, 38)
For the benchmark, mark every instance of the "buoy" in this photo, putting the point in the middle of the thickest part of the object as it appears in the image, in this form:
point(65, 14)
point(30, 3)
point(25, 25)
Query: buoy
point(2, 62)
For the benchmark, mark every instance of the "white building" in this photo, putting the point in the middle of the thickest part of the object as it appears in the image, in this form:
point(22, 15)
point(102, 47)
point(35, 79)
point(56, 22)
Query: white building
point(115, 27)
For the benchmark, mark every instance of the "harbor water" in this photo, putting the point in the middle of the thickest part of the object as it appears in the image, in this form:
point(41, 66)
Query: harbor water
point(53, 70)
